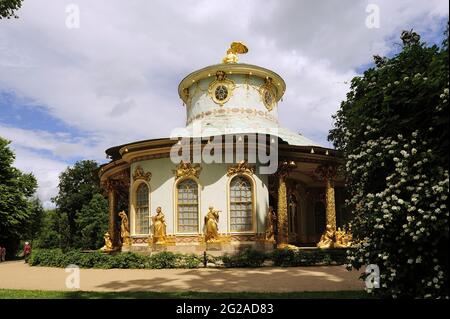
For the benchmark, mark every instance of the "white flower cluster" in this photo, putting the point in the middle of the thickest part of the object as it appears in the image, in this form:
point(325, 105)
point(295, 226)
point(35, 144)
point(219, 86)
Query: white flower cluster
point(406, 218)
point(444, 100)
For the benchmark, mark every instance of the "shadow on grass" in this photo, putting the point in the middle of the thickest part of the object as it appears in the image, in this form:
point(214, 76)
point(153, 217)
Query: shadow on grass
point(38, 294)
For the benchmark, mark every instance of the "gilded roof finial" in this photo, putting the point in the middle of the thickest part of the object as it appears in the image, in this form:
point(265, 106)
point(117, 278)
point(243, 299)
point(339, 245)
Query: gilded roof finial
point(235, 49)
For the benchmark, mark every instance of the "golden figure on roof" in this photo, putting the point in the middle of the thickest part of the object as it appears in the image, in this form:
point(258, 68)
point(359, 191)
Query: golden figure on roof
point(235, 49)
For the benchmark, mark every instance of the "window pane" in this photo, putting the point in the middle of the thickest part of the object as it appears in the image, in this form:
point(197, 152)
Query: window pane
point(187, 206)
point(142, 222)
point(241, 204)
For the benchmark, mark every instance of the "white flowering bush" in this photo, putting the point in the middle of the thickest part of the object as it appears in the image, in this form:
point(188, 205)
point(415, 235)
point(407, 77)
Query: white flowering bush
point(393, 132)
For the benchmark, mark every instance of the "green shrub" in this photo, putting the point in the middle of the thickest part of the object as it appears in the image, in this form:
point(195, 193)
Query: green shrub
point(190, 261)
point(245, 258)
point(292, 258)
point(164, 259)
point(284, 257)
point(128, 260)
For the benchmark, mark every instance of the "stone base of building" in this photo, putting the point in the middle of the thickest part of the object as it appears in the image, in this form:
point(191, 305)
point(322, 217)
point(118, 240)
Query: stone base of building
point(228, 244)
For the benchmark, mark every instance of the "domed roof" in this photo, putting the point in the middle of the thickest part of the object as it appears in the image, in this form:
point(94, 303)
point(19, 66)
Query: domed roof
point(234, 98)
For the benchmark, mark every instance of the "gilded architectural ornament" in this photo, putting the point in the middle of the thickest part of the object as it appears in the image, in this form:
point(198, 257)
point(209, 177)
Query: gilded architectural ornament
point(283, 224)
point(331, 238)
point(124, 229)
point(328, 173)
point(235, 49)
point(140, 174)
point(185, 170)
point(108, 243)
point(211, 228)
point(159, 227)
point(221, 89)
point(240, 168)
point(271, 219)
point(268, 94)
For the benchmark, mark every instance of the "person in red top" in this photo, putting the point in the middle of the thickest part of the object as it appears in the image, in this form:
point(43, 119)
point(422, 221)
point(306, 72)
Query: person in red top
point(26, 251)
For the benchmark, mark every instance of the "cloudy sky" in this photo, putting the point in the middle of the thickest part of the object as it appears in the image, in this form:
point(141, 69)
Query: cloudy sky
point(69, 93)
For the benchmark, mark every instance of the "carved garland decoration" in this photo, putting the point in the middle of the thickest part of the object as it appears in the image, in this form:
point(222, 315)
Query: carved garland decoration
point(140, 174)
point(185, 170)
point(221, 89)
point(241, 167)
point(268, 94)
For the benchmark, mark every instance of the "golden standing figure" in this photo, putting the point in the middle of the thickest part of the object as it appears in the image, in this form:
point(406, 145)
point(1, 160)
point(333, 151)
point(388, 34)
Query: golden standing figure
point(159, 227)
point(124, 229)
point(108, 243)
point(271, 219)
point(212, 225)
point(327, 238)
point(235, 49)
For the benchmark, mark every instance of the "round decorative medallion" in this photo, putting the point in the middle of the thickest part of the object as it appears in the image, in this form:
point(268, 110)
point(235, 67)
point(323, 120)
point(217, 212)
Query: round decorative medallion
point(268, 94)
point(221, 92)
point(221, 89)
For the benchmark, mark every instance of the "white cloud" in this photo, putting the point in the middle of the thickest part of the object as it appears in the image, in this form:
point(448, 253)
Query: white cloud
point(45, 170)
point(116, 77)
point(59, 144)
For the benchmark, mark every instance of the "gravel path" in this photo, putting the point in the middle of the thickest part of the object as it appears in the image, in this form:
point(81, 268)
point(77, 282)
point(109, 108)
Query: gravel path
point(18, 275)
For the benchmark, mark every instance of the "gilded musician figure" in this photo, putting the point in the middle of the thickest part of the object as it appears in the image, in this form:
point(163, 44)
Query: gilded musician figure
point(159, 227)
point(327, 238)
point(124, 229)
point(212, 225)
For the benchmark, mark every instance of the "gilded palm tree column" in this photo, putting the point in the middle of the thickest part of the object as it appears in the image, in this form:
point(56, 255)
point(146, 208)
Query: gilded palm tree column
point(112, 203)
point(282, 213)
point(331, 205)
point(283, 236)
point(328, 173)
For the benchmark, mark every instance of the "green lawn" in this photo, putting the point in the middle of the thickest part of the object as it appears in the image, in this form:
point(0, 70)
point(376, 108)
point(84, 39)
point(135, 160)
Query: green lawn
point(39, 294)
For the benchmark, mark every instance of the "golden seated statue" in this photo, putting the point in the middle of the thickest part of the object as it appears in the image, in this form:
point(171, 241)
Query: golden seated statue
point(327, 238)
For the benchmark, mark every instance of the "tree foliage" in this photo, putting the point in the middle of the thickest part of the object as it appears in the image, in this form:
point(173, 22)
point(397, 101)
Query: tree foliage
point(93, 222)
point(9, 7)
point(393, 132)
point(17, 212)
point(77, 187)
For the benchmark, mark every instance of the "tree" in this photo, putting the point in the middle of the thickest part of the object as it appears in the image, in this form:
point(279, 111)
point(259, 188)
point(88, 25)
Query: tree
point(77, 187)
point(50, 232)
point(16, 211)
point(9, 7)
point(393, 132)
point(93, 222)
point(35, 220)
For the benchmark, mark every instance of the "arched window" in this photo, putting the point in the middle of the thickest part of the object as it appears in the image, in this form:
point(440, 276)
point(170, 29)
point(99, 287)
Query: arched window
point(142, 210)
point(187, 206)
point(241, 204)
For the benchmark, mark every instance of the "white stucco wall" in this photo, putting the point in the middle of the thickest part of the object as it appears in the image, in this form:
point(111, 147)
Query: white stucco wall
point(213, 191)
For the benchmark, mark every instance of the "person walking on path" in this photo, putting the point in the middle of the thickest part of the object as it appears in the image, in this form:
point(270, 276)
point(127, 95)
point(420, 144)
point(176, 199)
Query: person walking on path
point(26, 251)
point(2, 253)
